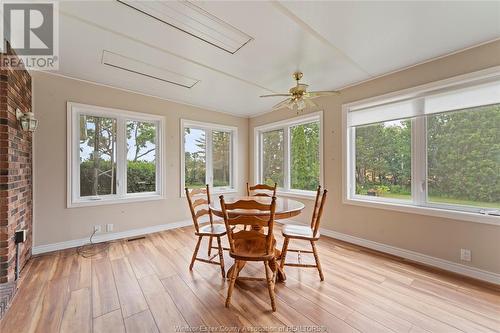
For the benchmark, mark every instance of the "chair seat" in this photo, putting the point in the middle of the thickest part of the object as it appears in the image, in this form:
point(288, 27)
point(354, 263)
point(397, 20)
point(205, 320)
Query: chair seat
point(251, 246)
point(299, 232)
point(216, 229)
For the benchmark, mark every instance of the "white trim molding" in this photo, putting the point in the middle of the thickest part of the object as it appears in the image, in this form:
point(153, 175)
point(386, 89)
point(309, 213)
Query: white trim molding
point(418, 100)
point(106, 237)
point(73, 198)
point(285, 126)
point(209, 128)
point(418, 257)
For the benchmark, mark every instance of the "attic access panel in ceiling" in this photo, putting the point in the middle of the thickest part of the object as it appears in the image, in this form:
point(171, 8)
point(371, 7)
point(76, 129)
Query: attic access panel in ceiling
point(116, 60)
point(193, 20)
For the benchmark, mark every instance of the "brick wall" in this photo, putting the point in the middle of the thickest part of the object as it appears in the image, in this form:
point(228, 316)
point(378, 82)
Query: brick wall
point(16, 201)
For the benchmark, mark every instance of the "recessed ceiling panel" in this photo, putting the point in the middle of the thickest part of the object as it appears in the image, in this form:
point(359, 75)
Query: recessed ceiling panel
point(140, 68)
point(193, 20)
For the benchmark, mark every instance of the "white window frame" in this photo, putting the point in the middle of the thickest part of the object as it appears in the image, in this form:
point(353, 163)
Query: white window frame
point(418, 203)
point(74, 110)
point(208, 128)
point(285, 126)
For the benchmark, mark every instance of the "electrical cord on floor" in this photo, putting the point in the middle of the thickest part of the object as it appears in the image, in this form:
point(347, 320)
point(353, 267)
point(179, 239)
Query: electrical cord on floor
point(90, 250)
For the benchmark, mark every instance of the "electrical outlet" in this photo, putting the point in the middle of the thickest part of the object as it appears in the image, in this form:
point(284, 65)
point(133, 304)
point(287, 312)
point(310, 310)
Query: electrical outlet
point(109, 227)
point(97, 228)
point(465, 255)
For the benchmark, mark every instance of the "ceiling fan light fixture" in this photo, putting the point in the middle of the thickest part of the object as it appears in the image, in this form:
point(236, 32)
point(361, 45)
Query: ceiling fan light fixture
point(299, 98)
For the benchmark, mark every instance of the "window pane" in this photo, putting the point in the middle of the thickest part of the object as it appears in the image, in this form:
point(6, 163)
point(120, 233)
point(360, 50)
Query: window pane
point(221, 158)
point(383, 159)
point(97, 156)
point(194, 157)
point(464, 157)
point(273, 157)
point(141, 157)
point(304, 156)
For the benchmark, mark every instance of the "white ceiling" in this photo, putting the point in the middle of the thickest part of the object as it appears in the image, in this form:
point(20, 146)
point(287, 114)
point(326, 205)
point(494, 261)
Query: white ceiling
point(333, 43)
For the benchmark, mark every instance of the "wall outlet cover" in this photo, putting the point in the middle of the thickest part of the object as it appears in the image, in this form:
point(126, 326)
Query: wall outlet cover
point(465, 255)
point(109, 227)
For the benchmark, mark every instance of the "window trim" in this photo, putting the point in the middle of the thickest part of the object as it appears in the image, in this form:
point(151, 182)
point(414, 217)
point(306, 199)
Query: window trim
point(285, 125)
point(418, 204)
point(73, 198)
point(233, 154)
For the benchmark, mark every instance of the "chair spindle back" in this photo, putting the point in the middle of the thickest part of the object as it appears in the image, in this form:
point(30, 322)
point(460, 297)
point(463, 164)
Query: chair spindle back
point(249, 205)
point(253, 191)
point(199, 205)
point(318, 209)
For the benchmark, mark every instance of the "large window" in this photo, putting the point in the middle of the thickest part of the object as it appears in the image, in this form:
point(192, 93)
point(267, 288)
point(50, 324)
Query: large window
point(114, 155)
point(437, 150)
point(289, 154)
point(208, 156)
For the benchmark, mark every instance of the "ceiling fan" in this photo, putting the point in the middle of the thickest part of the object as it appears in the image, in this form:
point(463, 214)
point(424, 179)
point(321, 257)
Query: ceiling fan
point(298, 97)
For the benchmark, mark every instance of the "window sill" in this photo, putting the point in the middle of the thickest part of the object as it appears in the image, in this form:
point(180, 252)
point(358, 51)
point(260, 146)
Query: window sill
point(311, 195)
point(115, 201)
point(430, 211)
point(215, 192)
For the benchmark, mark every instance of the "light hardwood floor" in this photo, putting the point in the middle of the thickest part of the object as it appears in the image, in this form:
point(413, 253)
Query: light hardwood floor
point(145, 286)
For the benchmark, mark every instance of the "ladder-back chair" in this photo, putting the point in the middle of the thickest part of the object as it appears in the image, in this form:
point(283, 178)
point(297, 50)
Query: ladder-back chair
point(308, 233)
point(257, 190)
point(199, 205)
point(251, 245)
point(261, 190)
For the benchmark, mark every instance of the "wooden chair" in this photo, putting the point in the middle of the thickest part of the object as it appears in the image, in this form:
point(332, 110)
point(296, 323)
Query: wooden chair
point(251, 245)
point(254, 190)
point(199, 204)
point(310, 234)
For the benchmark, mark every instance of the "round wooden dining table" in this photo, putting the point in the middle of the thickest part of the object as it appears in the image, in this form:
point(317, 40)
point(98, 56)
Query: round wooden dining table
point(285, 208)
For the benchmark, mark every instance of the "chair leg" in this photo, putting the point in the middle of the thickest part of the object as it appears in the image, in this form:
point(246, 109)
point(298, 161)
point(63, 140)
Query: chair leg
point(210, 246)
point(195, 253)
point(221, 257)
point(316, 258)
point(232, 280)
point(283, 252)
point(270, 284)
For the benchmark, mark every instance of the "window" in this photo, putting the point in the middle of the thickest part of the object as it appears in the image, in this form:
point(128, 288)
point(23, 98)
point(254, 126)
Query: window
point(436, 148)
point(208, 156)
point(289, 153)
point(114, 155)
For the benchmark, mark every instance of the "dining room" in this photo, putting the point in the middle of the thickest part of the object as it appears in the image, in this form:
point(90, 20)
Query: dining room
point(249, 166)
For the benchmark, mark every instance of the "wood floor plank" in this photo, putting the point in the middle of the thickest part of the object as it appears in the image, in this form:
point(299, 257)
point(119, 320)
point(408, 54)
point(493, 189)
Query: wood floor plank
point(52, 306)
point(165, 313)
point(193, 311)
point(146, 285)
point(141, 322)
point(130, 294)
point(111, 322)
point(77, 316)
point(104, 294)
point(21, 315)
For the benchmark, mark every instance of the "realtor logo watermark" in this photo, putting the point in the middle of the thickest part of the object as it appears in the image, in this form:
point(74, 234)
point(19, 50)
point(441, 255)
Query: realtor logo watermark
point(32, 30)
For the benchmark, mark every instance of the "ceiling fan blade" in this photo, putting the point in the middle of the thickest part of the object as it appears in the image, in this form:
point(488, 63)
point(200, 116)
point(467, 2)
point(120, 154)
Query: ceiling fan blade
point(276, 95)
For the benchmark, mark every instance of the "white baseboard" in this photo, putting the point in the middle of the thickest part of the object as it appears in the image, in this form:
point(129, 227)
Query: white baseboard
point(99, 238)
point(399, 252)
point(451, 266)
